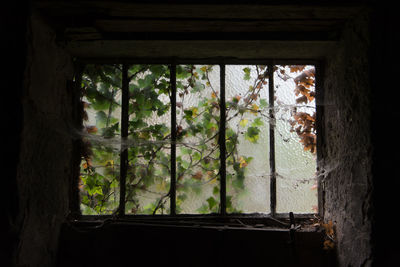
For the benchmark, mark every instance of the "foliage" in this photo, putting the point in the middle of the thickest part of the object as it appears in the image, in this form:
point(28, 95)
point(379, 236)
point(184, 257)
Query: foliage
point(303, 123)
point(197, 128)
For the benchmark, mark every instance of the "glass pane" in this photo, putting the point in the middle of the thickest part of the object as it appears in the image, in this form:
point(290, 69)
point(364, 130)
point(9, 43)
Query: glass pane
point(99, 188)
point(247, 139)
point(295, 139)
point(197, 161)
point(148, 176)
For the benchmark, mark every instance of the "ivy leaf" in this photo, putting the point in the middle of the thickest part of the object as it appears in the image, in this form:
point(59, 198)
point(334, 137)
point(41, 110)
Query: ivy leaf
point(196, 156)
point(257, 122)
point(198, 86)
point(186, 151)
point(109, 132)
point(101, 118)
point(263, 103)
point(137, 123)
point(252, 134)
point(185, 164)
point(198, 175)
point(203, 209)
point(211, 202)
point(246, 74)
point(243, 122)
point(242, 162)
point(216, 190)
point(91, 129)
point(254, 109)
point(296, 68)
point(188, 114)
point(236, 98)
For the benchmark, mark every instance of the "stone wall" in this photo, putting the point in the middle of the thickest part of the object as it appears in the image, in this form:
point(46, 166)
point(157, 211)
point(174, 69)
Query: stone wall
point(44, 170)
point(347, 148)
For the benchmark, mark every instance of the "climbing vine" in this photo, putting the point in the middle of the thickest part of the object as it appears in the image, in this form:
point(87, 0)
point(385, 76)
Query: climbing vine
point(197, 128)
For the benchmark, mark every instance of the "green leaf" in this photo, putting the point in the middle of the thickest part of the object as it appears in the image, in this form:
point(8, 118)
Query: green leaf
point(243, 122)
point(252, 134)
point(188, 114)
point(137, 123)
point(198, 86)
point(211, 203)
point(196, 156)
point(157, 70)
point(257, 122)
point(263, 103)
point(246, 74)
point(203, 209)
point(186, 151)
point(101, 119)
point(216, 190)
point(238, 183)
point(185, 164)
point(109, 132)
point(182, 72)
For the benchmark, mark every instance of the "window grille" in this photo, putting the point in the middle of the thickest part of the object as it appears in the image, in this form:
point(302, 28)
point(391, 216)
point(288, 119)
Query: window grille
point(194, 145)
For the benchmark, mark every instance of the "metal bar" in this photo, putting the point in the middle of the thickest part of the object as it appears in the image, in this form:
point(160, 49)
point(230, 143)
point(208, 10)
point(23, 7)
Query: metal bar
point(124, 134)
point(272, 140)
point(292, 235)
point(221, 141)
point(173, 139)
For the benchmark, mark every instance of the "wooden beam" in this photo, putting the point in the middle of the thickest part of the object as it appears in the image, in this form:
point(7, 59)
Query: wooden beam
point(225, 11)
point(201, 49)
point(256, 26)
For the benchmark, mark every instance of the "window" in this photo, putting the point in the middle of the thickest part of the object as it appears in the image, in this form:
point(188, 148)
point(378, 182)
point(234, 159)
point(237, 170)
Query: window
point(198, 139)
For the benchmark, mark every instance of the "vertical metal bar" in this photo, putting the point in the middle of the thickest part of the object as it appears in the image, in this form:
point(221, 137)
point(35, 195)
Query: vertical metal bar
point(124, 135)
point(173, 139)
point(221, 141)
point(272, 140)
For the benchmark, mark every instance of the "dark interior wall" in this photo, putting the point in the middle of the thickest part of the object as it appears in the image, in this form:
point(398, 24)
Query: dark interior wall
point(385, 114)
point(347, 153)
point(45, 168)
point(14, 27)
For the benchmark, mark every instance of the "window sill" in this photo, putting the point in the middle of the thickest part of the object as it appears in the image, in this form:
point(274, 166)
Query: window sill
point(281, 222)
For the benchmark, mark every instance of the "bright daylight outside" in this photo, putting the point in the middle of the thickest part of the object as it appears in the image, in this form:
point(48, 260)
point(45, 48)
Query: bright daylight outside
point(250, 119)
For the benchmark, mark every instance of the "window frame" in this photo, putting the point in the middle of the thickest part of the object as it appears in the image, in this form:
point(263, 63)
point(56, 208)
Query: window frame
point(222, 62)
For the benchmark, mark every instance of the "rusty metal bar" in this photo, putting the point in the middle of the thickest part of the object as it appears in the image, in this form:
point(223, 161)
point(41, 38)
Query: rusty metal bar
point(272, 140)
point(124, 134)
point(221, 141)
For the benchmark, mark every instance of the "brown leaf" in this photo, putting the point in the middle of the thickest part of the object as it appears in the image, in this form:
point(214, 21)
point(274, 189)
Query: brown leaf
point(296, 68)
point(198, 175)
point(91, 129)
point(302, 99)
